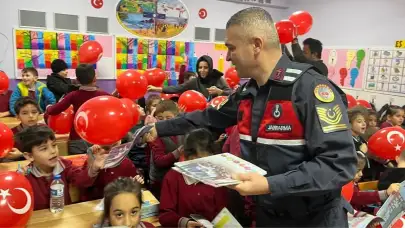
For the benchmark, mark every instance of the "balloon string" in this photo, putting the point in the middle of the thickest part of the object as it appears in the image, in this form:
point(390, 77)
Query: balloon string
point(6, 48)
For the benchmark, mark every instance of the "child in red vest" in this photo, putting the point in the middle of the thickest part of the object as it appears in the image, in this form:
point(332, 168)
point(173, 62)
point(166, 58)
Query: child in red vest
point(165, 151)
point(361, 199)
point(86, 75)
point(125, 168)
point(38, 144)
point(182, 196)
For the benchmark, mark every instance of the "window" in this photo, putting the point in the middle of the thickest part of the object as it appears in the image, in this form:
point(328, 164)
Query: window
point(202, 33)
point(97, 25)
point(219, 35)
point(66, 22)
point(29, 18)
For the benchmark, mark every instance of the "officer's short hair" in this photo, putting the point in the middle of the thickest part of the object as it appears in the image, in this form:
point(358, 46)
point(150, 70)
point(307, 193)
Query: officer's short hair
point(256, 21)
point(315, 46)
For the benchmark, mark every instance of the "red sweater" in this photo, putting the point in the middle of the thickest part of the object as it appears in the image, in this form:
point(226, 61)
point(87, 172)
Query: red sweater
point(77, 176)
point(232, 143)
point(4, 101)
point(160, 158)
point(105, 176)
point(361, 199)
point(385, 124)
point(75, 98)
point(179, 200)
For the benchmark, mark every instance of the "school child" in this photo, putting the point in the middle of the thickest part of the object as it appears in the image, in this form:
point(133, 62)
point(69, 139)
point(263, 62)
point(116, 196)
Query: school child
point(125, 168)
point(395, 117)
point(361, 199)
point(165, 151)
point(182, 196)
point(86, 75)
point(393, 174)
point(39, 147)
point(31, 87)
point(122, 204)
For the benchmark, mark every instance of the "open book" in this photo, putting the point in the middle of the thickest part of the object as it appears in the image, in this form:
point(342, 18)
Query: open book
point(216, 170)
point(389, 214)
point(118, 153)
point(223, 220)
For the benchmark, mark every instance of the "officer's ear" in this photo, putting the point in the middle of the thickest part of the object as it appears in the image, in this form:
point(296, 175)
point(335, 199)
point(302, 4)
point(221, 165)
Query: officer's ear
point(258, 44)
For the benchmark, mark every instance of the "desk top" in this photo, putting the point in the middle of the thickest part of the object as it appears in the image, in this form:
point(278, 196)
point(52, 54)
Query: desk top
point(74, 215)
point(12, 121)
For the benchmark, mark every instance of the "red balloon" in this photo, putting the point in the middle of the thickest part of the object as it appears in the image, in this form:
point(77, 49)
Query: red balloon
point(364, 103)
point(155, 77)
point(6, 140)
point(351, 101)
point(302, 21)
point(231, 77)
point(103, 120)
point(166, 96)
point(4, 82)
point(192, 100)
point(62, 123)
point(347, 191)
point(90, 52)
point(217, 101)
point(132, 84)
point(133, 108)
point(387, 143)
point(285, 30)
point(16, 200)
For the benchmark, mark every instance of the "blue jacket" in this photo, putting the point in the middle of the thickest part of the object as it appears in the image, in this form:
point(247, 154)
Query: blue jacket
point(43, 95)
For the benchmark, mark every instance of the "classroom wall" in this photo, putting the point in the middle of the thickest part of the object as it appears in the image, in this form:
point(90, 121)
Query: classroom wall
point(356, 23)
point(218, 14)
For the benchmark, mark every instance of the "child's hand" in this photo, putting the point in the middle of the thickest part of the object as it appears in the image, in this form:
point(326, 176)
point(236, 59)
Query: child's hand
point(393, 188)
point(151, 135)
point(363, 148)
point(182, 108)
point(14, 154)
point(139, 179)
point(99, 157)
point(221, 138)
point(193, 224)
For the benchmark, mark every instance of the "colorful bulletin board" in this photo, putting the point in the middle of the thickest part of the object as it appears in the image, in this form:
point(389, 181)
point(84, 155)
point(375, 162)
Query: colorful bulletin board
point(153, 19)
point(36, 48)
point(346, 66)
point(142, 54)
point(385, 71)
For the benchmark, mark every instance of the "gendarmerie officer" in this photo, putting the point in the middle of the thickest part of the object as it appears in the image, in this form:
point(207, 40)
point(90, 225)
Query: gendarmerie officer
point(292, 123)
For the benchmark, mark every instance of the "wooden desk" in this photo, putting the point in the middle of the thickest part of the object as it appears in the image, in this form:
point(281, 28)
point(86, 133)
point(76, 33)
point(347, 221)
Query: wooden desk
point(12, 121)
point(74, 215)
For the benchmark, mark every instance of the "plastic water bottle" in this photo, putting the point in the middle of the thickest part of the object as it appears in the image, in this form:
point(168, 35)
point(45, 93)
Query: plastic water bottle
point(57, 198)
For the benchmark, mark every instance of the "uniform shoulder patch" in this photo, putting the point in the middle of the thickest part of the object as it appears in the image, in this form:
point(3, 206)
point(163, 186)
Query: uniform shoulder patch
point(331, 118)
point(324, 93)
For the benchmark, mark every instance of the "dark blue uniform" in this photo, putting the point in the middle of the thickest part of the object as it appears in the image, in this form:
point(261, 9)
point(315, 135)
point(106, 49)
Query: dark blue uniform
point(296, 128)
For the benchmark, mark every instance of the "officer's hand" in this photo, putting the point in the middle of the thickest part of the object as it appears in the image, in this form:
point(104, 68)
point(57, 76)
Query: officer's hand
point(213, 90)
point(393, 189)
point(252, 184)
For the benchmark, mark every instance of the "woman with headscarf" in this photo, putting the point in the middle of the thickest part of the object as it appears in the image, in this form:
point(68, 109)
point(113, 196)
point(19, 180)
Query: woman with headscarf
point(209, 81)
